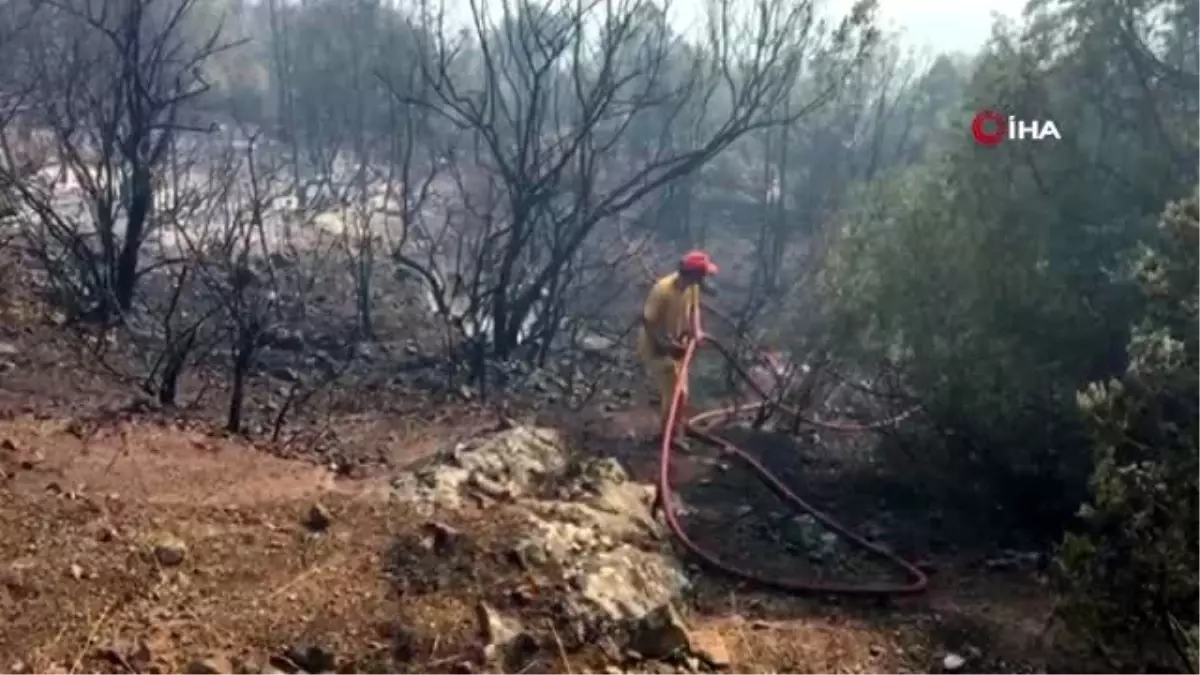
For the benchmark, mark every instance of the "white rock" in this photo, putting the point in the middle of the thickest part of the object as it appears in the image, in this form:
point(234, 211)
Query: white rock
point(952, 663)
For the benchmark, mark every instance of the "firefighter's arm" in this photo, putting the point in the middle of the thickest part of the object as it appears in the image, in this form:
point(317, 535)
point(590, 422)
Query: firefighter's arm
point(693, 312)
point(652, 320)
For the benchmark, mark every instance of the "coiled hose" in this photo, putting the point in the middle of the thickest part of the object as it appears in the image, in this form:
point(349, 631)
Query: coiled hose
point(918, 581)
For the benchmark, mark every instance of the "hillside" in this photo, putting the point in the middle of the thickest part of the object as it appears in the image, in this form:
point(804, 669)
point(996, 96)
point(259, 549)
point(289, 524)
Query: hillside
point(317, 325)
point(144, 540)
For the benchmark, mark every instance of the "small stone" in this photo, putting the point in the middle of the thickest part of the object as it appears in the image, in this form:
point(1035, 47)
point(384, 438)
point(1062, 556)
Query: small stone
point(281, 664)
point(136, 655)
point(952, 663)
point(443, 536)
point(613, 670)
point(76, 571)
point(313, 659)
point(504, 637)
point(217, 665)
point(495, 627)
point(32, 461)
point(491, 488)
point(661, 634)
point(318, 518)
point(170, 551)
point(710, 646)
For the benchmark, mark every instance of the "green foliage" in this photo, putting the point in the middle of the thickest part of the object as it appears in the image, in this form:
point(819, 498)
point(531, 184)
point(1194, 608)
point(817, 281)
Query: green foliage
point(986, 334)
point(995, 278)
point(1131, 573)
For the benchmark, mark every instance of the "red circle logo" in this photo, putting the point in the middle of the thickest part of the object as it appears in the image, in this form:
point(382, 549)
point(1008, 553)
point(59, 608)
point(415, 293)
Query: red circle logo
point(989, 128)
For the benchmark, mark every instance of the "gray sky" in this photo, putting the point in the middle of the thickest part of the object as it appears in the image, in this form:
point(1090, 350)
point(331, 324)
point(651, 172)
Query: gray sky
point(946, 25)
point(939, 25)
point(936, 25)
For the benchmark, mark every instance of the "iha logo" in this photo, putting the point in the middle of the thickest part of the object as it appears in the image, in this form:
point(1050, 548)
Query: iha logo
point(991, 127)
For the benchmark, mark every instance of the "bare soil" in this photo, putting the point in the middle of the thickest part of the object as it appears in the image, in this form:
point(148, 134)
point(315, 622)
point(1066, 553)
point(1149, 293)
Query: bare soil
point(97, 498)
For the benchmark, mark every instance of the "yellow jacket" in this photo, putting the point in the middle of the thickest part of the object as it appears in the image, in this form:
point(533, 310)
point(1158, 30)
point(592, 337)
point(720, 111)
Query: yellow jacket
point(669, 312)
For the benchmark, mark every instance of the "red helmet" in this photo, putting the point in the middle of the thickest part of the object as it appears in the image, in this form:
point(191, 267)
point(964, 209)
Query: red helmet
point(699, 262)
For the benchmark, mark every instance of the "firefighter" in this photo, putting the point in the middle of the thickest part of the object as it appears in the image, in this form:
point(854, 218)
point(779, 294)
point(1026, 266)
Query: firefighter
point(669, 318)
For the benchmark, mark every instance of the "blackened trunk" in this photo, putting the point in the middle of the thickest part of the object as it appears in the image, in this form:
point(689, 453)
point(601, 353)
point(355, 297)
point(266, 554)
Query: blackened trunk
point(168, 390)
point(140, 203)
point(242, 360)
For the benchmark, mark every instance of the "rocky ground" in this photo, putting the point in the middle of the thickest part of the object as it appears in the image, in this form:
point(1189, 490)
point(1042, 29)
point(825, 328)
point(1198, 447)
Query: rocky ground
point(134, 539)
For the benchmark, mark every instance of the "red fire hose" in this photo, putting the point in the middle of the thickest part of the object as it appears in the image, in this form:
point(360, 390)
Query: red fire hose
point(918, 579)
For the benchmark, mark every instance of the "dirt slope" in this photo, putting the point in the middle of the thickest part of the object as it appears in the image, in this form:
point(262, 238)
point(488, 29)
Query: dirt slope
point(146, 542)
point(82, 589)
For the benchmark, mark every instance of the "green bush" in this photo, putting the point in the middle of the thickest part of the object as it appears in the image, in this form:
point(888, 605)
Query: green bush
point(1130, 573)
point(994, 321)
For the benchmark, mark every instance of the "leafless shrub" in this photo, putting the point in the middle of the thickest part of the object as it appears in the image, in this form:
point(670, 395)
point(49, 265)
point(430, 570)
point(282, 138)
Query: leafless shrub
point(111, 80)
point(568, 111)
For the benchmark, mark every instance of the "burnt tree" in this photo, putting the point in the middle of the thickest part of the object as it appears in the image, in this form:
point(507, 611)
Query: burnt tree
point(114, 81)
point(551, 95)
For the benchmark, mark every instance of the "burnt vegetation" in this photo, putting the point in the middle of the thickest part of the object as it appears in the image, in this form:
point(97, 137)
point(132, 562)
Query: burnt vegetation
point(278, 213)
